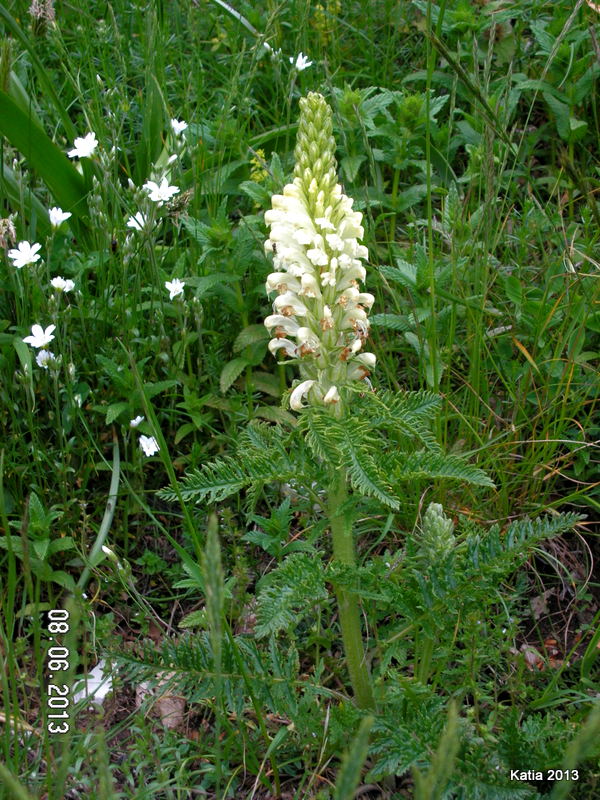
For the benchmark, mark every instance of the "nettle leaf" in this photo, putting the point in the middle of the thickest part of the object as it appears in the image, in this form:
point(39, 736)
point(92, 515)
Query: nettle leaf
point(350, 166)
point(395, 322)
point(255, 191)
point(114, 411)
point(206, 283)
point(403, 272)
point(561, 113)
point(231, 372)
point(251, 334)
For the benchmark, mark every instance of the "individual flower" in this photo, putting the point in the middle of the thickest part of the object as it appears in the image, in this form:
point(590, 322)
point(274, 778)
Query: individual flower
point(40, 337)
point(25, 254)
point(174, 287)
point(162, 193)
point(178, 126)
point(320, 313)
point(110, 553)
point(298, 393)
point(149, 445)
point(62, 284)
point(45, 358)
point(136, 421)
point(138, 222)
point(84, 146)
point(58, 216)
point(301, 62)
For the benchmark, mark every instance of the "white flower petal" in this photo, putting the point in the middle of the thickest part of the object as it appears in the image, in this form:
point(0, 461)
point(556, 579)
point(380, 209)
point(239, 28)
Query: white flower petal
point(283, 344)
point(40, 337)
point(24, 254)
point(332, 396)
point(58, 216)
point(178, 126)
point(160, 193)
point(138, 222)
point(95, 686)
point(149, 445)
point(298, 393)
point(62, 284)
point(174, 287)
point(84, 146)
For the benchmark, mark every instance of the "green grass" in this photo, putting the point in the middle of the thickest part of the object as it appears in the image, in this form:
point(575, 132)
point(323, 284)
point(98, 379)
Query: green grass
point(467, 135)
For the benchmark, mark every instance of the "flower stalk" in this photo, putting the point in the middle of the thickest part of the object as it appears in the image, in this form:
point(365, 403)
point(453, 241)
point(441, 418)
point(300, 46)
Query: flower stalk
point(348, 607)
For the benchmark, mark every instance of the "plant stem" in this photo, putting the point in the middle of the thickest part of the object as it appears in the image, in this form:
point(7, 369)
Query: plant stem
point(343, 550)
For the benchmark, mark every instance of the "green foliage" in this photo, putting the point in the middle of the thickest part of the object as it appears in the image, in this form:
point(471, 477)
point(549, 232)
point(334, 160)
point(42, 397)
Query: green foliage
point(349, 774)
point(271, 533)
point(432, 785)
point(470, 145)
point(288, 593)
point(261, 459)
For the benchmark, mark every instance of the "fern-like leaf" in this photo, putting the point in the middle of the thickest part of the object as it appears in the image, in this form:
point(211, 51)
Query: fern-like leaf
point(409, 412)
point(364, 475)
point(493, 550)
point(315, 424)
point(424, 464)
point(225, 476)
point(288, 593)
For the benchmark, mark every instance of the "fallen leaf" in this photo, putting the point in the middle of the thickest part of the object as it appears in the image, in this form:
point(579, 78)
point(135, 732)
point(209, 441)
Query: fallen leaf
point(170, 706)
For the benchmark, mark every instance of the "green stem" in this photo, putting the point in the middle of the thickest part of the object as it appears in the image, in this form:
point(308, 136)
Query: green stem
point(343, 550)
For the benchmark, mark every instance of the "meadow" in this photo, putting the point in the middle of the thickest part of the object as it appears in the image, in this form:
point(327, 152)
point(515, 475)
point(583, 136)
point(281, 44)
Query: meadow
point(350, 552)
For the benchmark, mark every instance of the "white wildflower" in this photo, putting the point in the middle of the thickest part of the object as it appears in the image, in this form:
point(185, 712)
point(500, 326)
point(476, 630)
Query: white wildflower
point(138, 222)
point(45, 358)
point(40, 337)
point(301, 62)
point(24, 254)
point(58, 216)
point(84, 146)
point(62, 284)
point(149, 445)
point(178, 126)
point(174, 287)
point(160, 193)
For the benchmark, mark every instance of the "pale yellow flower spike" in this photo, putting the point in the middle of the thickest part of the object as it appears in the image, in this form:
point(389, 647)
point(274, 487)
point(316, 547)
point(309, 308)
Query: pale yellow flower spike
point(317, 256)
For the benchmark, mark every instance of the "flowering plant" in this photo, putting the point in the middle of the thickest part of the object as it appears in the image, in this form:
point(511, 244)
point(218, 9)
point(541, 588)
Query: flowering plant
point(320, 323)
